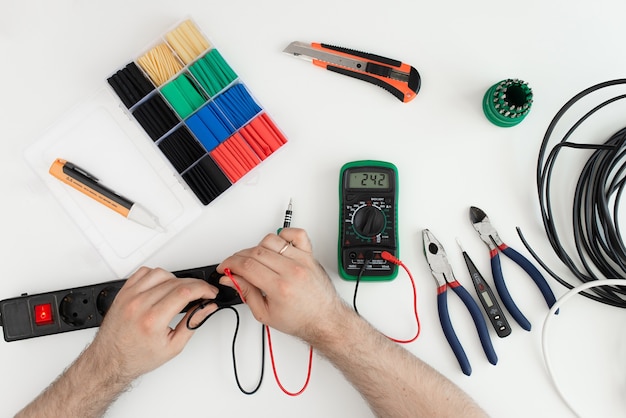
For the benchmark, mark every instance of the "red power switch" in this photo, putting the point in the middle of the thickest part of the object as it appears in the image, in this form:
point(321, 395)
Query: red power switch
point(43, 314)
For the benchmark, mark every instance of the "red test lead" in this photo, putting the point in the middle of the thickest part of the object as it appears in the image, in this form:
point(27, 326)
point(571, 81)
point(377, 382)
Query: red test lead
point(386, 255)
point(287, 224)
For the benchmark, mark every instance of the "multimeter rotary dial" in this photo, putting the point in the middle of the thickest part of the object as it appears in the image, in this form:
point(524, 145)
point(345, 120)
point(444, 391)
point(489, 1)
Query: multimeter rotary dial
point(368, 221)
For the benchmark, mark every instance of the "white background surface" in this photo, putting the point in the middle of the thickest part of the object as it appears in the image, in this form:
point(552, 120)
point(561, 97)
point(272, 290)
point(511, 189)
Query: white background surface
point(449, 157)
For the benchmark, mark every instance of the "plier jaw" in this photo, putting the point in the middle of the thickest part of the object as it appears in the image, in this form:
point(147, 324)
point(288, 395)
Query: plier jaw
point(486, 231)
point(437, 259)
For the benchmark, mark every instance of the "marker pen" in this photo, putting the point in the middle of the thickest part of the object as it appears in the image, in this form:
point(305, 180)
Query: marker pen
point(89, 185)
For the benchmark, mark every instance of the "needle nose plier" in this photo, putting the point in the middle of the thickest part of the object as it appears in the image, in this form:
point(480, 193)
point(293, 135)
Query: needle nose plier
point(490, 236)
point(442, 272)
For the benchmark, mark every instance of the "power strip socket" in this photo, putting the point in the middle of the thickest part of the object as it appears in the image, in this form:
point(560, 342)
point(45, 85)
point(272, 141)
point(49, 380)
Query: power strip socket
point(29, 316)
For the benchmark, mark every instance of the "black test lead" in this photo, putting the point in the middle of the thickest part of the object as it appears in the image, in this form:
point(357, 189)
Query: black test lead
point(287, 222)
point(487, 298)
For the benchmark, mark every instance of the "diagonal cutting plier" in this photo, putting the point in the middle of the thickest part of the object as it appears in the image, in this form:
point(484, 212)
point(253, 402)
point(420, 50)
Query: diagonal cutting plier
point(442, 272)
point(490, 236)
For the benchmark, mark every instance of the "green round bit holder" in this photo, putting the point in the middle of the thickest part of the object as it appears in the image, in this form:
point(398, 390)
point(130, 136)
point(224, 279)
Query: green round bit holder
point(508, 102)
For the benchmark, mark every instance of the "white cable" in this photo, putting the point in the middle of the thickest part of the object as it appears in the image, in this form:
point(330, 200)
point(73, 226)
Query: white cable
point(551, 314)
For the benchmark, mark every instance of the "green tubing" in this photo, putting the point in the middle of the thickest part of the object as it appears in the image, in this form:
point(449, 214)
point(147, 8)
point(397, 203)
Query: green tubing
point(183, 95)
point(508, 102)
point(212, 75)
point(212, 72)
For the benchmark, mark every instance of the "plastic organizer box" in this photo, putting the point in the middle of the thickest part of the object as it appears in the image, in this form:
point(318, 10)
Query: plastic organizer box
point(201, 116)
point(173, 130)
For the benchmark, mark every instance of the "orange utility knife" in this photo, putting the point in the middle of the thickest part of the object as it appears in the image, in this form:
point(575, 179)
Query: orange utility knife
point(399, 79)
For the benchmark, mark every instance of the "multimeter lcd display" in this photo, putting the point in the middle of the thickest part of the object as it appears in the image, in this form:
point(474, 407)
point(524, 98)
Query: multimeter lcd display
point(368, 180)
point(368, 194)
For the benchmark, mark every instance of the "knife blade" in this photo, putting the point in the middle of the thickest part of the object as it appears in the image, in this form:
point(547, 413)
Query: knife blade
point(401, 80)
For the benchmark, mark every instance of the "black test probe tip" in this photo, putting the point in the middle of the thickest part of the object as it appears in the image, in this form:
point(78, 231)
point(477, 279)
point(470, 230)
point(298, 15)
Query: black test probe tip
point(288, 212)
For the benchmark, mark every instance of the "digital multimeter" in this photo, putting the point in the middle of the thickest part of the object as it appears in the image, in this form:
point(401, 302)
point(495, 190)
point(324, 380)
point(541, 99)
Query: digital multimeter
point(368, 219)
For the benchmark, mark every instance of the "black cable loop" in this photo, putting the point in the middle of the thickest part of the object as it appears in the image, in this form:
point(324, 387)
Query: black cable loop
point(605, 232)
point(234, 356)
point(598, 243)
point(258, 385)
point(615, 249)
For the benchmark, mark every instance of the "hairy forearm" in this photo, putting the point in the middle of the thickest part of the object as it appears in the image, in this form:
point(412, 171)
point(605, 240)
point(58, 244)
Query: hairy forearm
point(86, 389)
point(393, 381)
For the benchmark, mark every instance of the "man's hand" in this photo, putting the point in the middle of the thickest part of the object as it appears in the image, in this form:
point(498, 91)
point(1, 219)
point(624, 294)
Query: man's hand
point(284, 285)
point(286, 288)
point(135, 337)
point(136, 330)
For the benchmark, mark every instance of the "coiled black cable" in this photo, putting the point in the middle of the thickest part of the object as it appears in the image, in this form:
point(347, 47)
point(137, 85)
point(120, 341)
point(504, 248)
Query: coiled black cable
point(600, 250)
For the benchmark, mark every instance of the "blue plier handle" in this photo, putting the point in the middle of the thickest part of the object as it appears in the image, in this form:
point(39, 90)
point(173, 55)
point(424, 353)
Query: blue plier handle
point(503, 291)
point(490, 236)
point(448, 330)
point(442, 272)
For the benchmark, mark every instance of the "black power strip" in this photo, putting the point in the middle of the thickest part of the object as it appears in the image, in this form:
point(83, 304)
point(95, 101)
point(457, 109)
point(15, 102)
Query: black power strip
point(29, 316)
